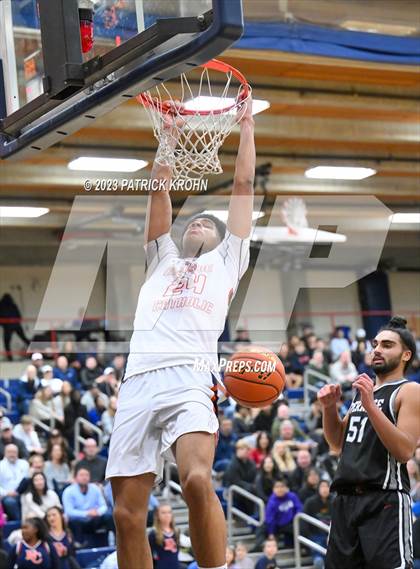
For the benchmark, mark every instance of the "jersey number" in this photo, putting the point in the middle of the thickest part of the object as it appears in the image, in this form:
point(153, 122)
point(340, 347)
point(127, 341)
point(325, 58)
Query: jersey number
point(356, 429)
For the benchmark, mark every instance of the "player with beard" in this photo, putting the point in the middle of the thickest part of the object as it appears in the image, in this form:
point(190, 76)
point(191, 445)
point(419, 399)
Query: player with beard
point(371, 524)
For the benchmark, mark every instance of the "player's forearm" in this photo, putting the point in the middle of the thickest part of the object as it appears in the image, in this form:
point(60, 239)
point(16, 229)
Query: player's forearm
point(159, 207)
point(245, 161)
point(333, 428)
point(400, 445)
point(242, 201)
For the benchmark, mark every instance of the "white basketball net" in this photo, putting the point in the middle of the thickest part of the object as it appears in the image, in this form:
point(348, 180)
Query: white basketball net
point(190, 143)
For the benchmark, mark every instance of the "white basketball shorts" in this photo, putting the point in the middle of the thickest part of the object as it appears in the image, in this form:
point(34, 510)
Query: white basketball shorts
point(154, 409)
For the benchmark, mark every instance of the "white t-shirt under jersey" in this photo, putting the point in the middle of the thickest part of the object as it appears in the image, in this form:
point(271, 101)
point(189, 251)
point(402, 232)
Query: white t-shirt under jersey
point(182, 306)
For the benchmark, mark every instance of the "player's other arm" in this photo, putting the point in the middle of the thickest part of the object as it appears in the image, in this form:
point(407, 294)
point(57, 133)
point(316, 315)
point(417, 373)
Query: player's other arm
point(401, 439)
point(334, 427)
point(242, 199)
point(159, 207)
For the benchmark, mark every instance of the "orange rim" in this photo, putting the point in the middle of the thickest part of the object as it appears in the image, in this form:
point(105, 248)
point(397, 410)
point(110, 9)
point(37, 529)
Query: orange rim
point(216, 65)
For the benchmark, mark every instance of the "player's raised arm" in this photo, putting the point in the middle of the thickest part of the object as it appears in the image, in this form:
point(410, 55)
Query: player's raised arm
point(159, 206)
point(242, 200)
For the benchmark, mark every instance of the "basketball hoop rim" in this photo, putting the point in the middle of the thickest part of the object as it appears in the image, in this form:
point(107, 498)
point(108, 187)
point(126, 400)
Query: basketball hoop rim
point(166, 107)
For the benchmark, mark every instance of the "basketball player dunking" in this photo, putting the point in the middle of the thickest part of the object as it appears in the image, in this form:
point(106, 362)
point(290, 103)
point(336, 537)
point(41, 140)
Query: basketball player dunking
point(371, 525)
point(165, 408)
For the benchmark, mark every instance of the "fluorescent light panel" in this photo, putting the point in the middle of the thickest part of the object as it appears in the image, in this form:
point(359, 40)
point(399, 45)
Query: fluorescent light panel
point(222, 214)
point(379, 28)
point(12, 211)
point(339, 173)
point(205, 103)
point(405, 218)
point(96, 164)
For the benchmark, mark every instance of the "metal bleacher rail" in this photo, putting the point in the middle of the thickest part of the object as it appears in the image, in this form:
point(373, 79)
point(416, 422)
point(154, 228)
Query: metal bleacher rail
point(79, 439)
point(308, 388)
point(300, 539)
point(8, 398)
point(233, 511)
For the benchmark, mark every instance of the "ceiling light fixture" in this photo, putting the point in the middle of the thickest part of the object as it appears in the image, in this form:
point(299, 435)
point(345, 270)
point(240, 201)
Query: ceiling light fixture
point(18, 211)
point(96, 164)
point(339, 173)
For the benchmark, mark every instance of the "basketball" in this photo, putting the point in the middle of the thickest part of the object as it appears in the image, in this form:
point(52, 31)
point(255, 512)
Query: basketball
point(254, 379)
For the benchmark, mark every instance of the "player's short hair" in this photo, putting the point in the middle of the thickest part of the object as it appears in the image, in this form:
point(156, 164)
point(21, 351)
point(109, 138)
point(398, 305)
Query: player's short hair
point(398, 324)
point(220, 226)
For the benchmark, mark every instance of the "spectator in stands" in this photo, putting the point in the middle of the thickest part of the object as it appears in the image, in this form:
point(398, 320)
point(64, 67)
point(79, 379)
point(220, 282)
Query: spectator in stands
point(283, 458)
point(90, 372)
point(319, 364)
point(242, 336)
point(85, 507)
point(92, 462)
point(28, 386)
point(231, 557)
point(36, 464)
point(310, 485)
point(314, 419)
point(287, 435)
point(25, 432)
point(264, 420)
point(414, 476)
point(64, 372)
point(321, 345)
point(310, 343)
point(56, 438)
point(89, 397)
point(283, 414)
point(108, 383)
point(282, 506)
point(96, 413)
point(42, 407)
point(285, 357)
point(338, 344)
point(241, 472)
point(33, 550)
point(343, 371)
point(4, 419)
point(72, 412)
point(61, 538)
point(413, 372)
point(107, 419)
point(57, 470)
point(366, 366)
point(242, 559)
point(304, 463)
point(165, 539)
point(416, 543)
point(358, 353)
point(225, 449)
point(262, 448)
point(38, 499)
point(268, 473)
point(319, 507)
point(62, 399)
point(299, 360)
point(268, 560)
point(7, 438)
point(48, 379)
point(37, 360)
point(118, 363)
point(12, 471)
point(10, 320)
point(242, 420)
point(360, 337)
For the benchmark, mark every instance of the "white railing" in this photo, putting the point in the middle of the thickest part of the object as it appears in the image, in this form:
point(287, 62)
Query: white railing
point(44, 426)
point(233, 511)
point(302, 540)
point(308, 388)
point(8, 398)
point(78, 439)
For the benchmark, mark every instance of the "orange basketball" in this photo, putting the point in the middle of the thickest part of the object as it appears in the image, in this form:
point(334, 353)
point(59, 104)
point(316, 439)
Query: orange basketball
point(254, 379)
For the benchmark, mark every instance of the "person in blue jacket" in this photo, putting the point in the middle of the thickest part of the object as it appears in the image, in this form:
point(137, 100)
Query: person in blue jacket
point(282, 507)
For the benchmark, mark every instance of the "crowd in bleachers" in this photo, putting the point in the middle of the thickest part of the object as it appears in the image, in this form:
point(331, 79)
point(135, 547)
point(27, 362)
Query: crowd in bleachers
point(277, 455)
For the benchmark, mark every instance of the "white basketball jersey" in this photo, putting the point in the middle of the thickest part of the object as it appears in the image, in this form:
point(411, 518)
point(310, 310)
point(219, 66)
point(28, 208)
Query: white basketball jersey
point(182, 306)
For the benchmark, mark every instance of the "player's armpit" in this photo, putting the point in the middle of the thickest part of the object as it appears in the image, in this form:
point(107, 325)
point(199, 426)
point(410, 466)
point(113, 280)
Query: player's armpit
point(409, 413)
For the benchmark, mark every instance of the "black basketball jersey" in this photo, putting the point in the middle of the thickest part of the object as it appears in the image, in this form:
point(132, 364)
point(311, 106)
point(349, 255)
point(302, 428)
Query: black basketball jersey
point(364, 459)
